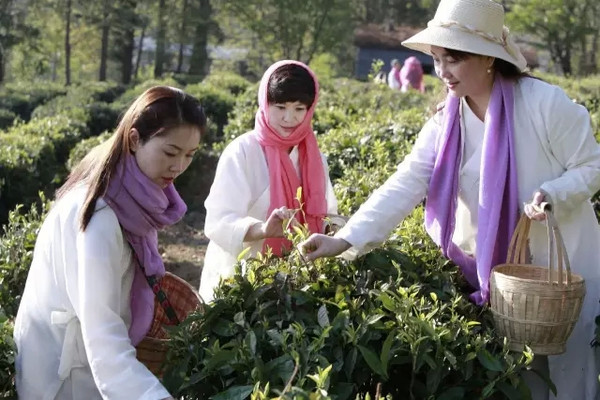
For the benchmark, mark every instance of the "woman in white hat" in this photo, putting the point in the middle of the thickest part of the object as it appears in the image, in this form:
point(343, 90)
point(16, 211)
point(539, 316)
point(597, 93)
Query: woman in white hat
point(501, 143)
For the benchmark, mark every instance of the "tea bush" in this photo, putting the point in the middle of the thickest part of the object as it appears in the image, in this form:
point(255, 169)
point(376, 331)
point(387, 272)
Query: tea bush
point(23, 97)
point(16, 252)
point(82, 148)
point(7, 118)
point(384, 320)
point(228, 81)
point(87, 104)
point(7, 359)
point(217, 104)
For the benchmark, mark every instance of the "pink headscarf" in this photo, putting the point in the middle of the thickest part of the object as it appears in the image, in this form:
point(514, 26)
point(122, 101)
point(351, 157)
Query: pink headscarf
point(283, 179)
point(412, 74)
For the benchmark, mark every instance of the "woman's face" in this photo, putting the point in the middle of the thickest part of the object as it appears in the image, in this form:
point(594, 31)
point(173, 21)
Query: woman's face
point(464, 77)
point(163, 158)
point(285, 117)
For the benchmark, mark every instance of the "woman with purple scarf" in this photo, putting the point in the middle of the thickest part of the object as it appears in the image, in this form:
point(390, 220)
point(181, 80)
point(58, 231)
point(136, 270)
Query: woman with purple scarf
point(87, 301)
point(502, 143)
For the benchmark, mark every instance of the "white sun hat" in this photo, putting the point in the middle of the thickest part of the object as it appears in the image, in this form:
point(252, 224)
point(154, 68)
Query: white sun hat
point(473, 26)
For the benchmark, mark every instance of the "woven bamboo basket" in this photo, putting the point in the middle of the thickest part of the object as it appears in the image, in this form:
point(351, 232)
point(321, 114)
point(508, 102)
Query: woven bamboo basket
point(151, 351)
point(536, 305)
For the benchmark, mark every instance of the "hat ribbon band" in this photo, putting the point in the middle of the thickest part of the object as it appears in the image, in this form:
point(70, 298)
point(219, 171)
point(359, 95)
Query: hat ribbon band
point(506, 41)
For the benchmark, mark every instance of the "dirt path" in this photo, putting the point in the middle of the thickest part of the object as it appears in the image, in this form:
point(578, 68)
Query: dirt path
point(183, 246)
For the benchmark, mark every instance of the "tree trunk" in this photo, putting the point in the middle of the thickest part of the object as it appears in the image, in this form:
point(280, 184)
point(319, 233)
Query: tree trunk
point(199, 61)
point(182, 36)
point(68, 44)
point(104, 46)
point(139, 52)
point(594, 52)
point(1, 63)
point(127, 56)
point(159, 60)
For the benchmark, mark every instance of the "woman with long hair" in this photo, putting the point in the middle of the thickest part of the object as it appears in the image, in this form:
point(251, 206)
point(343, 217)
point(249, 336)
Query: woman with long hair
point(87, 301)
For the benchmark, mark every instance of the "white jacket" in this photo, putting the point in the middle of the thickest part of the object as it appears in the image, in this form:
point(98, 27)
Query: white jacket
point(240, 197)
point(556, 152)
point(71, 329)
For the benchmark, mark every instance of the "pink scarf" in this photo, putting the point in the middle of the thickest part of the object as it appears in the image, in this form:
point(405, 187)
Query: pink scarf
point(412, 74)
point(142, 208)
point(283, 179)
point(498, 201)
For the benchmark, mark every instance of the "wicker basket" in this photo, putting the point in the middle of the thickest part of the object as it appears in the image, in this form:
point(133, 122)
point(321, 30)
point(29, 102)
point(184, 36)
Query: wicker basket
point(535, 305)
point(151, 351)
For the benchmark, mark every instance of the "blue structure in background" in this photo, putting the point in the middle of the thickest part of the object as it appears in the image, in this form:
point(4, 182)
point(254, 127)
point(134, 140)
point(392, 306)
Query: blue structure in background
point(385, 43)
point(366, 56)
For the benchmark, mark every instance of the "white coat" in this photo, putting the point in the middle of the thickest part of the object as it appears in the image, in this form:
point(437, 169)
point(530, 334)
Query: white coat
point(556, 152)
point(71, 329)
point(240, 197)
point(393, 83)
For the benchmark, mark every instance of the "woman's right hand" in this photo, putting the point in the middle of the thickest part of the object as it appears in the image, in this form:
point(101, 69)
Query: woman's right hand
point(319, 245)
point(272, 228)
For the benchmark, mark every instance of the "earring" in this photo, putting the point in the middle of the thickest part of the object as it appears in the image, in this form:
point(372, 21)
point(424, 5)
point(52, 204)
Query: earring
point(489, 70)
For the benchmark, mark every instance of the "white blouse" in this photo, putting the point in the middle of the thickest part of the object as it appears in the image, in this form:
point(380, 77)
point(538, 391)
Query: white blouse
point(240, 197)
point(465, 230)
point(71, 329)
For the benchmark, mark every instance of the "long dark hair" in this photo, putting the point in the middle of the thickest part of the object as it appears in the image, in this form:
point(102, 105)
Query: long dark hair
point(152, 114)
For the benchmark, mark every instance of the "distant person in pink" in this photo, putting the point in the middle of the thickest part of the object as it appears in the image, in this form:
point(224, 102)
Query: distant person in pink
point(411, 75)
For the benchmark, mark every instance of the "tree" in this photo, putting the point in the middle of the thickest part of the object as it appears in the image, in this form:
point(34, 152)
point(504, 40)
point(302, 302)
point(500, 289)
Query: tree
point(125, 21)
point(295, 29)
point(105, 28)
point(560, 24)
point(68, 10)
point(400, 12)
point(161, 38)
point(204, 27)
point(13, 29)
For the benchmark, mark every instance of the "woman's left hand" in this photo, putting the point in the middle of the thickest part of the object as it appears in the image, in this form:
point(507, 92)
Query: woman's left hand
point(533, 210)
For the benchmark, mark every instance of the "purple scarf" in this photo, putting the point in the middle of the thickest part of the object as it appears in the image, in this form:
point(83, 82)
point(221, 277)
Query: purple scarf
point(142, 208)
point(498, 202)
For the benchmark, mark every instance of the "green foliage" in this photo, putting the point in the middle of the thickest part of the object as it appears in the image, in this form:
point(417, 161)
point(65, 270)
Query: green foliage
point(325, 66)
point(33, 157)
point(229, 81)
point(7, 358)
point(126, 98)
point(16, 253)
point(376, 67)
point(561, 25)
point(82, 148)
point(298, 29)
point(7, 118)
point(217, 103)
point(338, 329)
point(87, 104)
point(22, 98)
point(241, 119)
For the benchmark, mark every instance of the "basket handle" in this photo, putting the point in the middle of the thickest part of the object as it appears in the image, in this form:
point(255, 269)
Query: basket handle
point(518, 247)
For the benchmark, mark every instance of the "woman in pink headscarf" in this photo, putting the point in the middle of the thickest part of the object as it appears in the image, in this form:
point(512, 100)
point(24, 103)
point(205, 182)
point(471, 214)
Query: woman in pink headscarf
point(258, 175)
point(411, 75)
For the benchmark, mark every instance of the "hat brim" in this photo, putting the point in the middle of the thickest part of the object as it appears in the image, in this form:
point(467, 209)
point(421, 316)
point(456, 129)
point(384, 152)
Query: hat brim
point(463, 41)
